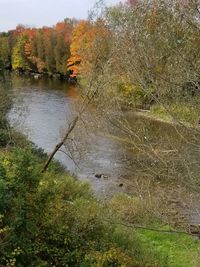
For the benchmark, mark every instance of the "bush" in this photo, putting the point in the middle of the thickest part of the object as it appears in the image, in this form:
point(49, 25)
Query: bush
point(53, 220)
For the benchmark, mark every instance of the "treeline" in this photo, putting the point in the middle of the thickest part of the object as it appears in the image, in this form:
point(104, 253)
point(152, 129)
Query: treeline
point(38, 50)
point(52, 50)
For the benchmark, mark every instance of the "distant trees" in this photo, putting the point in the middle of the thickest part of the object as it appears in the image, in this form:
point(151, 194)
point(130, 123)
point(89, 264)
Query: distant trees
point(70, 47)
point(41, 50)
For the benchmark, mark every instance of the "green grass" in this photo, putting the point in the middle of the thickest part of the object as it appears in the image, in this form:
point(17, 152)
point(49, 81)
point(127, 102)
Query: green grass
point(176, 250)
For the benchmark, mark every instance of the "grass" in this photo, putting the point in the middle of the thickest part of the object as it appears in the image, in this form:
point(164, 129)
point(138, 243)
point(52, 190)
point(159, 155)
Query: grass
point(176, 250)
point(180, 111)
point(172, 249)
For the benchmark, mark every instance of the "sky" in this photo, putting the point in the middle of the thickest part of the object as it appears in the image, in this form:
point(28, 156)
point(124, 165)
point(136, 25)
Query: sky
point(42, 12)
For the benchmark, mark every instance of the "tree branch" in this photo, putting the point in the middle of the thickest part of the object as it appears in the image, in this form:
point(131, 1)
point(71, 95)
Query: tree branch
point(59, 145)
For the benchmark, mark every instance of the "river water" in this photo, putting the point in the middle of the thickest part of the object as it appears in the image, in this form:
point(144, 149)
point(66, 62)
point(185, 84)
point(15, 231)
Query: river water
point(42, 110)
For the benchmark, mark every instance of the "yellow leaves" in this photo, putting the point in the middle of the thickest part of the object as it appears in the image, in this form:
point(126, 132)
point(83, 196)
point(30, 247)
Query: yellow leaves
point(113, 256)
point(4, 50)
point(17, 251)
point(18, 59)
point(125, 86)
point(12, 261)
point(6, 162)
point(3, 230)
point(79, 40)
point(127, 89)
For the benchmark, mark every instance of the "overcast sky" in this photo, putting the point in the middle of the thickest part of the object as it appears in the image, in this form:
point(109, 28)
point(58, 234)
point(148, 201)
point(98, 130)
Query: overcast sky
point(42, 12)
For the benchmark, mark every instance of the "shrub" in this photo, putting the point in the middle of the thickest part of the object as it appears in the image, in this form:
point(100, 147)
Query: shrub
point(53, 220)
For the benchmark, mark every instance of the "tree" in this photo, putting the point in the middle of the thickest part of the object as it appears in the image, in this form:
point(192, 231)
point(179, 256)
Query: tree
point(90, 43)
point(63, 32)
point(49, 44)
point(5, 53)
point(19, 60)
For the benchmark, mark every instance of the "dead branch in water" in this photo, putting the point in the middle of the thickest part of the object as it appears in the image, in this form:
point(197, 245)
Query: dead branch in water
point(59, 145)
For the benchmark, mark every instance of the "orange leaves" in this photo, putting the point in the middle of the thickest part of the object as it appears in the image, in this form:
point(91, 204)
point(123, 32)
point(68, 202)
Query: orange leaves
point(79, 40)
point(31, 33)
point(60, 27)
point(86, 37)
point(64, 29)
point(44, 49)
point(68, 47)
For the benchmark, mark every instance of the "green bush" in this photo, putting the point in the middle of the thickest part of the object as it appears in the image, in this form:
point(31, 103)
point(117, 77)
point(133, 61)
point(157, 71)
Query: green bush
point(53, 220)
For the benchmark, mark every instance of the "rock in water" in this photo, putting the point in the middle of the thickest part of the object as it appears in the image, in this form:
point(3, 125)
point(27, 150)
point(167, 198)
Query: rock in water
point(98, 175)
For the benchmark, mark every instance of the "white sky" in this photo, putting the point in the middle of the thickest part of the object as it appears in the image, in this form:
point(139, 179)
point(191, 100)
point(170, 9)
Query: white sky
point(42, 12)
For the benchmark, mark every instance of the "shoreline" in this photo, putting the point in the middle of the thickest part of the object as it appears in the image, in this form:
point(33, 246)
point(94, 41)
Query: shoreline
point(173, 122)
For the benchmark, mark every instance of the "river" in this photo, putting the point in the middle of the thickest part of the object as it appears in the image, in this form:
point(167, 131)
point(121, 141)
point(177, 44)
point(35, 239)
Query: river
point(42, 110)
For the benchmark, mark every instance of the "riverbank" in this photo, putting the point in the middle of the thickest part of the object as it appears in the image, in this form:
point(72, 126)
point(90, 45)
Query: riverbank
point(183, 114)
point(39, 75)
point(160, 114)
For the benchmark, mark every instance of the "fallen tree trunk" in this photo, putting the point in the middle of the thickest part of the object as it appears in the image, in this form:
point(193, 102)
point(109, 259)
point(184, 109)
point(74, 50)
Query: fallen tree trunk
point(59, 145)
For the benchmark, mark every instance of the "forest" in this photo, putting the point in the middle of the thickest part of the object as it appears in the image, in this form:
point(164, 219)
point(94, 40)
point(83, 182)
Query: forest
point(136, 67)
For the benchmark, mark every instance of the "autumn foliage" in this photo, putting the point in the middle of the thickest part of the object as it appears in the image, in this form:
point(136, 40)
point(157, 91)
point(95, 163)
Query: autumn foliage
point(70, 48)
point(44, 50)
point(87, 39)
